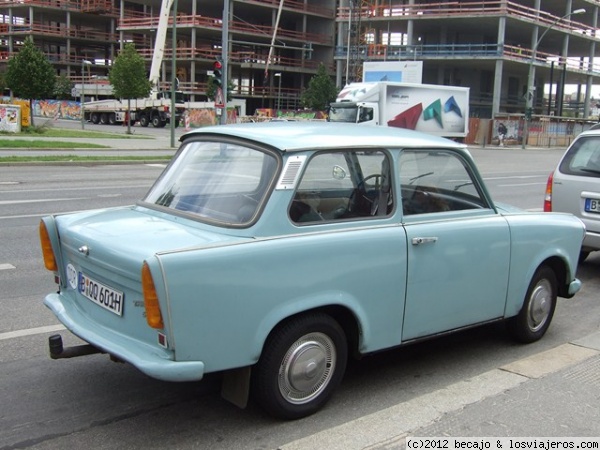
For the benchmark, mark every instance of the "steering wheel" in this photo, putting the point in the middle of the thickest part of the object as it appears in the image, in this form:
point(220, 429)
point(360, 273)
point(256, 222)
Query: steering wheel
point(360, 203)
point(363, 184)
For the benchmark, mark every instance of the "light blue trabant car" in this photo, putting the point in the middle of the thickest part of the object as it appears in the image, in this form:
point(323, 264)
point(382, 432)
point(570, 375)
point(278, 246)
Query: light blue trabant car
point(273, 252)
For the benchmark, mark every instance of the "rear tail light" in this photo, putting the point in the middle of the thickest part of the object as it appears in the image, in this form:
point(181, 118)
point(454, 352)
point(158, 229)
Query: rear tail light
point(548, 196)
point(47, 252)
point(153, 315)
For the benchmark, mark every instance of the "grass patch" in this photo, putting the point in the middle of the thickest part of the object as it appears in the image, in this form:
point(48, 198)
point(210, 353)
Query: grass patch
point(19, 143)
point(47, 130)
point(75, 158)
point(64, 132)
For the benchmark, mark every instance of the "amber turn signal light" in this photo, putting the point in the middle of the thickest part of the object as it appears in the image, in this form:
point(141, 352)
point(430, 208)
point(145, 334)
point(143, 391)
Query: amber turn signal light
point(153, 315)
point(47, 252)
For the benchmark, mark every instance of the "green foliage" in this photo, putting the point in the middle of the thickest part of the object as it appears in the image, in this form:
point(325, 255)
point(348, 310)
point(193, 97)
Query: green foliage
point(211, 89)
point(63, 88)
point(29, 73)
point(128, 74)
point(321, 91)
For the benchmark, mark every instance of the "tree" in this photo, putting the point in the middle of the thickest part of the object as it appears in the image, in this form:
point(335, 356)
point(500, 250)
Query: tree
point(63, 88)
point(321, 91)
point(2, 83)
point(30, 75)
point(211, 89)
point(128, 77)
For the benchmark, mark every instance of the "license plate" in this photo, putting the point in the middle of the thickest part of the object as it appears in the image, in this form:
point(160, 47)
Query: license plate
point(592, 205)
point(100, 294)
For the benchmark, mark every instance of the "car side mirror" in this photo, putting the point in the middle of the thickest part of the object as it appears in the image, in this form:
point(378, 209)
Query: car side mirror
point(338, 173)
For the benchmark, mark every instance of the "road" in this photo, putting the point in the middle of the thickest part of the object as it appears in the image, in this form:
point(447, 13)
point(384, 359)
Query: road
point(95, 403)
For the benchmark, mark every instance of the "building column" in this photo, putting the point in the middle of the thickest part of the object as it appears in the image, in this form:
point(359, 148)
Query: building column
point(590, 79)
point(68, 45)
point(193, 62)
point(497, 94)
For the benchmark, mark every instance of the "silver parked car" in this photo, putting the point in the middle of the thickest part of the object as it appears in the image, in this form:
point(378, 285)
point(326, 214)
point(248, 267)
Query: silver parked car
point(574, 187)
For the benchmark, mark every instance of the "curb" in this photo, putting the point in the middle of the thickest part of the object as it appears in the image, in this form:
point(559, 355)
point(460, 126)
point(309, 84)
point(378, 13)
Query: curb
point(389, 427)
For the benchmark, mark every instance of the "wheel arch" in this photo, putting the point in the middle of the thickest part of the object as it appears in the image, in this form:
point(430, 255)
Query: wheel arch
point(236, 382)
point(559, 267)
point(347, 320)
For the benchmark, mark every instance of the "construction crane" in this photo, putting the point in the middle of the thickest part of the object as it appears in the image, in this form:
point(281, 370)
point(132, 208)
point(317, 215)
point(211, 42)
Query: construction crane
point(156, 109)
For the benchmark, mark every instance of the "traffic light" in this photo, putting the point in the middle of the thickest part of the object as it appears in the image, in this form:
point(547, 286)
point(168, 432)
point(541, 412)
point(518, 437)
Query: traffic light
point(218, 73)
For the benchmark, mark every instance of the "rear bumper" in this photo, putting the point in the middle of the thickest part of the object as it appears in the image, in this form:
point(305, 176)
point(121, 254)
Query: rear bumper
point(591, 241)
point(147, 359)
point(574, 287)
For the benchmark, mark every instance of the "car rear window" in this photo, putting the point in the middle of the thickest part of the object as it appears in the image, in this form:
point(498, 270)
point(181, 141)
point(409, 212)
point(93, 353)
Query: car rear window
point(583, 158)
point(220, 182)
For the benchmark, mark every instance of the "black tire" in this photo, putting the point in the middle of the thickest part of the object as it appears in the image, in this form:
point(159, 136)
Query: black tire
point(302, 363)
point(157, 122)
point(104, 119)
point(144, 120)
point(95, 118)
point(538, 308)
point(112, 119)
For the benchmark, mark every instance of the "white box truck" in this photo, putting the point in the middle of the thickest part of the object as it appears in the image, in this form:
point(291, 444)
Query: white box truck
point(433, 109)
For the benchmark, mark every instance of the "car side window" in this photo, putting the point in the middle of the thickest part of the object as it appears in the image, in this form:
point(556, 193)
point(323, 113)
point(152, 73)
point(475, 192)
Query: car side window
point(343, 185)
point(436, 181)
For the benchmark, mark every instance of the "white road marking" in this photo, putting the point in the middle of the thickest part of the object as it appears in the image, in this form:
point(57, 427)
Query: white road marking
point(30, 332)
point(38, 200)
point(6, 266)
point(521, 184)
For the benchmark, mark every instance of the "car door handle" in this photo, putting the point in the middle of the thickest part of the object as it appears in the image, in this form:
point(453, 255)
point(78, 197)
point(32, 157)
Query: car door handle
point(423, 240)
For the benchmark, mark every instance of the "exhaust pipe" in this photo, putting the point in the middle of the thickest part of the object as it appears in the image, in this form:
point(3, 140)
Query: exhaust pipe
point(57, 351)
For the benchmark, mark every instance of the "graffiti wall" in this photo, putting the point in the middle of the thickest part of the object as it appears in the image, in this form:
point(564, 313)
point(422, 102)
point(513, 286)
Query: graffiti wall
point(57, 109)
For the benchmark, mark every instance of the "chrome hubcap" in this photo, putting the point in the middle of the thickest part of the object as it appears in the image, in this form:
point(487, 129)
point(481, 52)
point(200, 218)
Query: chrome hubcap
point(307, 368)
point(539, 306)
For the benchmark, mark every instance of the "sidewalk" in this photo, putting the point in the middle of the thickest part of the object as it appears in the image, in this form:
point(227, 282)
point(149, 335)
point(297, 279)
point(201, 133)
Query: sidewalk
point(552, 394)
point(117, 147)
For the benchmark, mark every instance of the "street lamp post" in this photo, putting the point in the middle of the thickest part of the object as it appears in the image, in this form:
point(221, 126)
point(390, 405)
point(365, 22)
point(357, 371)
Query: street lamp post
point(530, 87)
point(278, 75)
point(84, 62)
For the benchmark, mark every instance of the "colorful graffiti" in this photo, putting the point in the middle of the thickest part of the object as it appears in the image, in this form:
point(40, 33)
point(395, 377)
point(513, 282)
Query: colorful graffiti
point(264, 113)
point(9, 118)
point(57, 109)
point(25, 111)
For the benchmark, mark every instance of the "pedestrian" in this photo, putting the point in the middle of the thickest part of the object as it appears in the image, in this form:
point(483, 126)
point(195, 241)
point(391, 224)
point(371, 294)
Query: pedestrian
point(501, 134)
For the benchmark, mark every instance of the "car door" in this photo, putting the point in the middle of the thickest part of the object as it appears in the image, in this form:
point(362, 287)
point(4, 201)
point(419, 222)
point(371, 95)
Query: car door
point(458, 246)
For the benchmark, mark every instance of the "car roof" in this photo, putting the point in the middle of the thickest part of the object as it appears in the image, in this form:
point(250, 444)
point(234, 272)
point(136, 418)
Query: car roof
point(296, 136)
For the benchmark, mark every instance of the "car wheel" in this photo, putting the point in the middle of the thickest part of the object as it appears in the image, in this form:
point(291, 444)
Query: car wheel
point(156, 122)
point(112, 119)
point(302, 363)
point(538, 308)
point(95, 118)
point(104, 119)
point(144, 120)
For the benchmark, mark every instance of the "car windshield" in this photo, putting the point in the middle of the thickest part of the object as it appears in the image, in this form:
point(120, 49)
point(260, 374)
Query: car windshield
point(215, 181)
point(343, 113)
point(583, 158)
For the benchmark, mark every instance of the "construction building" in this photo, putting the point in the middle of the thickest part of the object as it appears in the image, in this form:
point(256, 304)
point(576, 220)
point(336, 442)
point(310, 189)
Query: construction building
point(275, 46)
point(488, 46)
